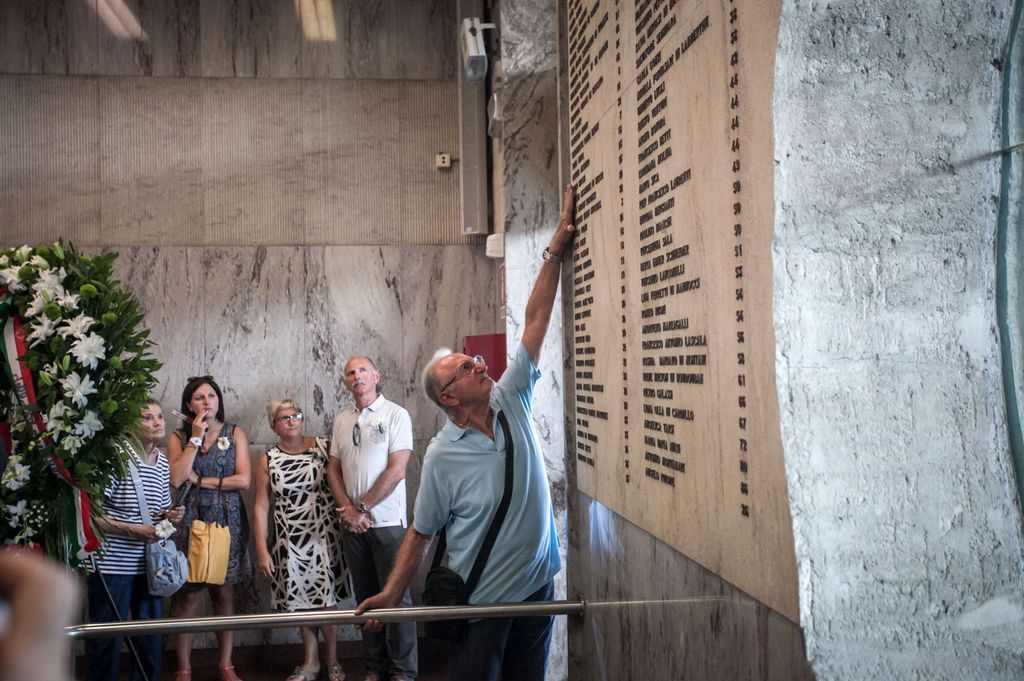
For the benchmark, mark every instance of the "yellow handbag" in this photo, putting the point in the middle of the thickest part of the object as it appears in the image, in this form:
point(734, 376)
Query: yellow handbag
point(208, 547)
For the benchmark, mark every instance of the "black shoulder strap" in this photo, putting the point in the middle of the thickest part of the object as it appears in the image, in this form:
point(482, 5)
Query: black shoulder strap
point(499, 516)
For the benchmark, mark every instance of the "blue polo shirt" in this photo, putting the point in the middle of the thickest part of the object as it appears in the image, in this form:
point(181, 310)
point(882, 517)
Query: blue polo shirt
point(462, 483)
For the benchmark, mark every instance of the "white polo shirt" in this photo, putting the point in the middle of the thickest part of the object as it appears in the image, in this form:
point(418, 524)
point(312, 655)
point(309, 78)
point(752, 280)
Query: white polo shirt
point(384, 427)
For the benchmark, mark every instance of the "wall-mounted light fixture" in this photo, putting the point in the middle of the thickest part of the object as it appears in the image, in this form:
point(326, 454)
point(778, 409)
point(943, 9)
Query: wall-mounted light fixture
point(474, 52)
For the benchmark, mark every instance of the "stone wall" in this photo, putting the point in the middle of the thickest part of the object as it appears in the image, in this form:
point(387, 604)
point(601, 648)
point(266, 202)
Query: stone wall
point(907, 524)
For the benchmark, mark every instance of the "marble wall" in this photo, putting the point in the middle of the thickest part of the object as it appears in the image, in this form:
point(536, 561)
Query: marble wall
point(652, 613)
point(530, 201)
point(347, 39)
point(275, 322)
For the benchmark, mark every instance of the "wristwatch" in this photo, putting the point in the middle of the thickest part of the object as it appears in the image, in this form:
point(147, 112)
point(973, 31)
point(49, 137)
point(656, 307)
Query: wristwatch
point(196, 442)
point(361, 507)
point(548, 255)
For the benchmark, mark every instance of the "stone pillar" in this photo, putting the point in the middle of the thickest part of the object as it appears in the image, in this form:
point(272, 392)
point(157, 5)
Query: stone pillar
point(529, 205)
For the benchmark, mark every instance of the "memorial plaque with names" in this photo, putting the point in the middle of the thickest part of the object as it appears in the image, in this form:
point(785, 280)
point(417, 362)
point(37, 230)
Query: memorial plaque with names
point(675, 412)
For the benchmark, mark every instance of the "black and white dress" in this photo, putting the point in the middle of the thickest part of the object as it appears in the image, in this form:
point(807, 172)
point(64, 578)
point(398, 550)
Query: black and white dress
point(310, 570)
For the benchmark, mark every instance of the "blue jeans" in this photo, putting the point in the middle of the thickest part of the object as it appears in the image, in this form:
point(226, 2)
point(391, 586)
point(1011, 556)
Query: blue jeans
point(131, 595)
point(515, 646)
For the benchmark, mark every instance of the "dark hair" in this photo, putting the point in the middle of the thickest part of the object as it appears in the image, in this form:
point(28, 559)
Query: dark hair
point(192, 386)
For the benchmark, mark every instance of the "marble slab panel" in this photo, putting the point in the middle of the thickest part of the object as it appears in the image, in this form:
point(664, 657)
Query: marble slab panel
point(139, 38)
point(49, 160)
point(252, 299)
point(150, 168)
point(250, 39)
point(384, 39)
point(165, 282)
point(528, 37)
point(449, 292)
point(351, 145)
point(252, 161)
point(353, 307)
point(56, 37)
point(654, 614)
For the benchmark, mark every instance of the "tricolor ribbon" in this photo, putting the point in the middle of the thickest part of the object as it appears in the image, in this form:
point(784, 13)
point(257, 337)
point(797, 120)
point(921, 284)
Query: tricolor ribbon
point(12, 349)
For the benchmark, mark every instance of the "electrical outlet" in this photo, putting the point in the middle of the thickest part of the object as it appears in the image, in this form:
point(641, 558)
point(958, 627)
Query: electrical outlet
point(443, 160)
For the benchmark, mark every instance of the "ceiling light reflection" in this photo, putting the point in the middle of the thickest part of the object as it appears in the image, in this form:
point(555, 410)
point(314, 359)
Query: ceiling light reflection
point(317, 17)
point(118, 19)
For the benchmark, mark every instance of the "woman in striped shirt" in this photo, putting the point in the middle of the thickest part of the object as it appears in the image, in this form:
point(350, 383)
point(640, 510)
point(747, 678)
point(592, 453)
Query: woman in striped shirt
point(122, 561)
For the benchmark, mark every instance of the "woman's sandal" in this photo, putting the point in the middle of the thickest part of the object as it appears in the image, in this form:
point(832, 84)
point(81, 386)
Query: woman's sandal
point(228, 674)
point(334, 673)
point(301, 674)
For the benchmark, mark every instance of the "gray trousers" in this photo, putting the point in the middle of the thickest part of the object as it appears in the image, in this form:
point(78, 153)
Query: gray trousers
point(370, 557)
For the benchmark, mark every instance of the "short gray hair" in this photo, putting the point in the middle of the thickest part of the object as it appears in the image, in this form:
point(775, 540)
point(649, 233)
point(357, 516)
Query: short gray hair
point(431, 385)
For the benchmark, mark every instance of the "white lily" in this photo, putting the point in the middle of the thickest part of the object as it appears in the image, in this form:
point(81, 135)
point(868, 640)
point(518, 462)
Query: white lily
point(16, 511)
point(89, 350)
point(9, 278)
point(42, 329)
point(50, 282)
point(89, 425)
point(78, 388)
point(39, 261)
point(72, 444)
point(16, 475)
point(35, 308)
point(69, 301)
point(55, 419)
point(23, 252)
point(77, 326)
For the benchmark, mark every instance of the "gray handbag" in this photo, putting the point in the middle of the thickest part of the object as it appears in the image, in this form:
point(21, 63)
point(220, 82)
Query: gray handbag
point(166, 566)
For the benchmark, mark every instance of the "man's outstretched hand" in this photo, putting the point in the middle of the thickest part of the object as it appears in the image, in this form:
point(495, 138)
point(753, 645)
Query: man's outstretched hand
point(563, 236)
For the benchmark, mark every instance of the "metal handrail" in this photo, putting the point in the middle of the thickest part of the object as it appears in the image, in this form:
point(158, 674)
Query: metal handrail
point(323, 617)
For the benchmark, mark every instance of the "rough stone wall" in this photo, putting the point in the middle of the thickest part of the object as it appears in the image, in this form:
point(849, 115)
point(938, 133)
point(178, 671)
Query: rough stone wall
point(908, 529)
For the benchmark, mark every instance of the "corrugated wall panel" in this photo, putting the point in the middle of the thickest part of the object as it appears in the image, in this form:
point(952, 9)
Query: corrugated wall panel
point(133, 161)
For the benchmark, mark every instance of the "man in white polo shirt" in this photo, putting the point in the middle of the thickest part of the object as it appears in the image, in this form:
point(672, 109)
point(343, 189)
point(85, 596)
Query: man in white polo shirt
point(370, 448)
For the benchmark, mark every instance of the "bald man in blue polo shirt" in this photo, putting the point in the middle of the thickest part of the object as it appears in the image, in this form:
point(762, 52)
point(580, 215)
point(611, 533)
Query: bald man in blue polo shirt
point(462, 484)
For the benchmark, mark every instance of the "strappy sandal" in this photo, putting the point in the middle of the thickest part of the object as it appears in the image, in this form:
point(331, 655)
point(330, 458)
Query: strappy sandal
point(301, 674)
point(228, 674)
point(335, 673)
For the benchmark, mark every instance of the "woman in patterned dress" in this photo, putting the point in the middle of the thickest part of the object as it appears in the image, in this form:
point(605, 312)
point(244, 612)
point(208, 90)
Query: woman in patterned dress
point(305, 563)
point(214, 456)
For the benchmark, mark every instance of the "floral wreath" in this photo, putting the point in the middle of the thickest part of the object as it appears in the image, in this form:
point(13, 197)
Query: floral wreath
point(76, 371)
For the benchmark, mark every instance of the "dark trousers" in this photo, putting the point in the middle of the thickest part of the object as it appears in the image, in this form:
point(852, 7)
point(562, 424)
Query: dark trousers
point(131, 595)
point(370, 557)
point(517, 647)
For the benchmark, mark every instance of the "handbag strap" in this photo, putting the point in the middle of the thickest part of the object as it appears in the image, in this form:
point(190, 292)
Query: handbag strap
point(140, 491)
point(496, 522)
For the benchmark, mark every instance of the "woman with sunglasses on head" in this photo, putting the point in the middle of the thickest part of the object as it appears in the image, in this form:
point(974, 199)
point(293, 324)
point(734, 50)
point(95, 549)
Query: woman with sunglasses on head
point(305, 563)
point(213, 455)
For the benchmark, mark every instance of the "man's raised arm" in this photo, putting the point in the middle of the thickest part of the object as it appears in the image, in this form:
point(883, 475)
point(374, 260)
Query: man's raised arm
point(538, 308)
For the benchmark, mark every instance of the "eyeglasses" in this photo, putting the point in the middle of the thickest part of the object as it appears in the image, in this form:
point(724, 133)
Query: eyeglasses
point(207, 377)
point(465, 369)
point(356, 435)
point(297, 417)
